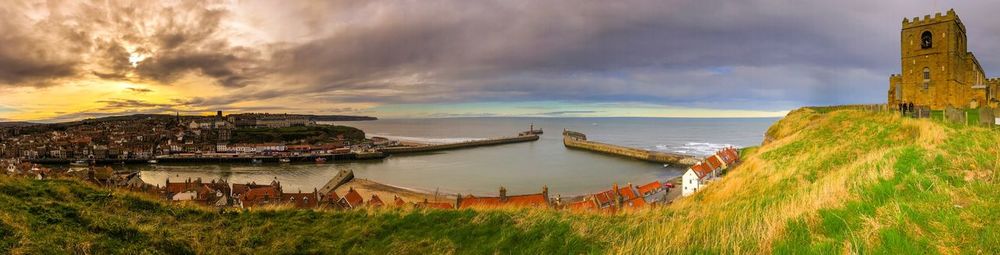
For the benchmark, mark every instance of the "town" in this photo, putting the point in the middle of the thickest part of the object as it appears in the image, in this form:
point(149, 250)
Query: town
point(221, 194)
point(247, 137)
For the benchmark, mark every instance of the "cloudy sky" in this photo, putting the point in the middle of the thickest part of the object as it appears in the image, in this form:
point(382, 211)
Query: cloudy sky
point(63, 60)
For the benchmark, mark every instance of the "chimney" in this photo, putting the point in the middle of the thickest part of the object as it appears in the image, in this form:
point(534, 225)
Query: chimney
point(458, 200)
point(503, 194)
point(545, 191)
point(618, 196)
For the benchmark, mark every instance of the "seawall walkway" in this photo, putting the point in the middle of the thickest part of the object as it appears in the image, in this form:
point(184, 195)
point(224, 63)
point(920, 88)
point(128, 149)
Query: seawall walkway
point(468, 144)
point(577, 140)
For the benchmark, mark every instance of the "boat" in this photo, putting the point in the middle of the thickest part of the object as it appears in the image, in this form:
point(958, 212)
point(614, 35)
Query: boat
point(256, 161)
point(284, 160)
point(79, 163)
point(152, 161)
point(320, 160)
point(666, 165)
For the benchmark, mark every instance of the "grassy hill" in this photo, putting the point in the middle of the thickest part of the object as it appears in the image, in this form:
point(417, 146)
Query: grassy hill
point(824, 182)
point(308, 134)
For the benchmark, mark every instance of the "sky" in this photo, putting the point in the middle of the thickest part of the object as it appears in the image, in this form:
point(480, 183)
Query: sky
point(68, 60)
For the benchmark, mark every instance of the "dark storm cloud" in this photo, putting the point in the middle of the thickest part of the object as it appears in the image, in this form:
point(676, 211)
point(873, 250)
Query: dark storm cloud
point(26, 57)
point(79, 38)
point(759, 54)
point(116, 104)
point(778, 54)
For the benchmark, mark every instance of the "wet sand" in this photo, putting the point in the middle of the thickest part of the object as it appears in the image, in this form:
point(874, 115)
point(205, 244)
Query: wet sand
point(387, 192)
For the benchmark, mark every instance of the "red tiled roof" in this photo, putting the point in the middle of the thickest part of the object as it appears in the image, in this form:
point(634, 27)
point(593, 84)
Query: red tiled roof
point(714, 162)
point(398, 201)
point(240, 189)
point(735, 155)
point(582, 205)
point(331, 197)
point(353, 198)
point(650, 187)
point(260, 195)
point(627, 193)
point(605, 198)
point(301, 200)
point(178, 187)
point(534, 200)
point(473, 201)
point(439, 205)
point(375, 201)
point(517, 200)
point(701, 170)
point(636, 203)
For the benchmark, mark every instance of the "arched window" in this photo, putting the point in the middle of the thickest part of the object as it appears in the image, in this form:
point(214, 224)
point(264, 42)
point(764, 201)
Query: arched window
point(927, 77)
point(926, 40)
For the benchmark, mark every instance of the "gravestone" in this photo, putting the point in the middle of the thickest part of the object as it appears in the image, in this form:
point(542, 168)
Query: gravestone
point(987, 116)
point(954, 115)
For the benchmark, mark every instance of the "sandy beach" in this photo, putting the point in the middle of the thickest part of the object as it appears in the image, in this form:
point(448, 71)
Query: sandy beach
point(387, 192)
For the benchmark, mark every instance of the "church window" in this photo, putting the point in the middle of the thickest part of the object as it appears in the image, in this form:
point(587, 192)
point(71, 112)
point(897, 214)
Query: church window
point(927, 77)
point(926, 40)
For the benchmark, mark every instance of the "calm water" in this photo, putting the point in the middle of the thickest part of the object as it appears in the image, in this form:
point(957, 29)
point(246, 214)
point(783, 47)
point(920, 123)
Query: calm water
point(521, 167)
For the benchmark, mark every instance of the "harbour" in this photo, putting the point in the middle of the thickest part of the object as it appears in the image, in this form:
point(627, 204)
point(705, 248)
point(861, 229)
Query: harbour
point(522, 167)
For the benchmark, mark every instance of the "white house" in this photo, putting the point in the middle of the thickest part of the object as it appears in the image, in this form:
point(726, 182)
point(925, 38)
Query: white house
point(695, 177)
point(185, 196)
point(703, 172)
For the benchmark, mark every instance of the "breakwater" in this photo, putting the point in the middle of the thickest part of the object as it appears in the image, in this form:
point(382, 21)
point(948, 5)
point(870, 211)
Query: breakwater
point(342, 177)
point(477, 143)
point(577, 140)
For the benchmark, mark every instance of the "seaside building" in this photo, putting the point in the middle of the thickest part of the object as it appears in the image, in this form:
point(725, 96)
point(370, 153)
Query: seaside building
point(301, 200)
point(527, 200)
point(352, 199)
point(938, 70)
point(617, 197)
point(700, 174)
point(375, 201)
point(434, 205)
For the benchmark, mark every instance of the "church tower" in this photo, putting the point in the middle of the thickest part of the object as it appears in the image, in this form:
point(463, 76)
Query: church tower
point(937, 69)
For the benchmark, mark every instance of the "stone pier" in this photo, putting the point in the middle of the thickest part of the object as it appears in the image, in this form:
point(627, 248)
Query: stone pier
point(577, 140)
point(476, 143)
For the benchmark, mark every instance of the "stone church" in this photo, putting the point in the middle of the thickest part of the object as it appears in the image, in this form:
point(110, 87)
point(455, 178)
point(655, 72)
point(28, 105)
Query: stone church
point(938, 69)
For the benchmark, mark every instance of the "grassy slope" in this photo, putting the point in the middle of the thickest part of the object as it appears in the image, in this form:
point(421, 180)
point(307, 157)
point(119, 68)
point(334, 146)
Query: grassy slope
point(831, 182)
point(44, 217)
point(845, 181)
point(313, 134)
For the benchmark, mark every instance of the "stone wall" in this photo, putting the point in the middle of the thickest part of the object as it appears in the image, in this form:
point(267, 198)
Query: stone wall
point(494, 141)
point(652, 156)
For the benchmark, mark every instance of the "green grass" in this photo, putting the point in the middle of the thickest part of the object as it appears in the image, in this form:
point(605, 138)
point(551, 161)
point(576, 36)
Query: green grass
point(66, 216)
point(827, 182)
point(305, 134)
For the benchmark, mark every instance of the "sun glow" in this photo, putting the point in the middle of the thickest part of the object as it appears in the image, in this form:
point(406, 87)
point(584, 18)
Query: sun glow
point(134, 58)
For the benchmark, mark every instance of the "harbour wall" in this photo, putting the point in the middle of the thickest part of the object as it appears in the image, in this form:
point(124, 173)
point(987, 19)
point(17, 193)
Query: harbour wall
point(578, 140)
point(439, 147)
point(342, 177)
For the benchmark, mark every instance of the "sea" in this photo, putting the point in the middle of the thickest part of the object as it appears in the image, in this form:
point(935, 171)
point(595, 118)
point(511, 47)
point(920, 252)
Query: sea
point(520, 167)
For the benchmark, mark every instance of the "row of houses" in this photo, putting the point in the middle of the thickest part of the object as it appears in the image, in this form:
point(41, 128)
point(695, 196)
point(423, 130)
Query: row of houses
point(332, 147)
point(699, 175)
point(627, 197)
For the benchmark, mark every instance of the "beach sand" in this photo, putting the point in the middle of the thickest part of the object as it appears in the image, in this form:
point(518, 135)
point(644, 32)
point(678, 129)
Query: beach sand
point(387, 192)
